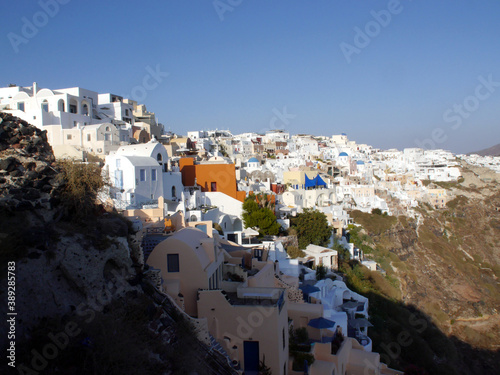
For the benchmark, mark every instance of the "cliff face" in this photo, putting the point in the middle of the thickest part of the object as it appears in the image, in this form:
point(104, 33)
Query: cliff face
point(58, 265)
point(447, 262)
point(78, 282)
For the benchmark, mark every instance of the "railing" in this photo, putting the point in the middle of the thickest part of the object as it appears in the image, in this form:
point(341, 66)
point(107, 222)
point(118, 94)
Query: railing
point(155, 230)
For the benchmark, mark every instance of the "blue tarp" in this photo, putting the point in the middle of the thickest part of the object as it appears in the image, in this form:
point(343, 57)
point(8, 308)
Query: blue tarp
point(315, 182)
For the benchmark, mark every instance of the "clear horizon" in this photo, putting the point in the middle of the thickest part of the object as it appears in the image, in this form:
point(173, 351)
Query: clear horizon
point(391, 74)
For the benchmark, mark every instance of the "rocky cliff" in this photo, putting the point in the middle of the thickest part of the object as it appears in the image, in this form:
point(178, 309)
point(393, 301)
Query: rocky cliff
point(446, 263)
point(79, 285)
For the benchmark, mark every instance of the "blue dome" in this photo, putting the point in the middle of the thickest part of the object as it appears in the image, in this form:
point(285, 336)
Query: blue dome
point(253, 160)
point(360, 162)
point(343, 154)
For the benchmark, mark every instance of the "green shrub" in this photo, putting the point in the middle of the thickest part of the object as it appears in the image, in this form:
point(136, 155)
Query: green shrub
point(295, 252)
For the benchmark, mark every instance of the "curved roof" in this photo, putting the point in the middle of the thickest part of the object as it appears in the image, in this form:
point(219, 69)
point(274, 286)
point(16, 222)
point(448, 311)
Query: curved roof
point(141, 161)
point(193, 237)
point(343, 154)
point(253, 160)
point(360, 162)
point(142, 149)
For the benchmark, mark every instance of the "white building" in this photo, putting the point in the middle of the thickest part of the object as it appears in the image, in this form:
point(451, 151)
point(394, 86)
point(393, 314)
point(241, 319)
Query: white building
point(68, 108)
point(322, 256)
point(140, 174)
point(65, 114)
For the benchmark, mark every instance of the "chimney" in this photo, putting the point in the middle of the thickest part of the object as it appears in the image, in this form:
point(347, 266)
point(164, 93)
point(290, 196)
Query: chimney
point(35, 88)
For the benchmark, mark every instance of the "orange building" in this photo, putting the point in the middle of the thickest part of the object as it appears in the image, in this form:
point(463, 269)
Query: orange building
point(211, 177)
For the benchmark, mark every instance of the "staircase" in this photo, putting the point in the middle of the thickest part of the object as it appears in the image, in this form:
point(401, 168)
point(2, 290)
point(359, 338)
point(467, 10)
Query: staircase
point(294, 294)
point(214, 345)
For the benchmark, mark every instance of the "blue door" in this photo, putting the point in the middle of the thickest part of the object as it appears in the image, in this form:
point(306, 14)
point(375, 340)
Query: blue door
point(251, 355)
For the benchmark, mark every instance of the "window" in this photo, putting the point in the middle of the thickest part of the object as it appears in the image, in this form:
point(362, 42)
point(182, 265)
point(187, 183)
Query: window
point(89, 137)
point(173, 192)
point(45, 106)
point(159, 157)
point(72, 108)
point(107, 137)
point(153, 175)
point(85, 109)
point(213, 186)
point(60, 105)
point(20, 106)
point(283, 338)
point(118, 163)
point(75, 123)
point(68, 136)
point(119, 179)
point(173, 262)
point(142, 175)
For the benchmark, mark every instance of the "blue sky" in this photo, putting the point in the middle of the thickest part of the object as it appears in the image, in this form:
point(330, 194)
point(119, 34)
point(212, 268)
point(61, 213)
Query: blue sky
point(237, 67)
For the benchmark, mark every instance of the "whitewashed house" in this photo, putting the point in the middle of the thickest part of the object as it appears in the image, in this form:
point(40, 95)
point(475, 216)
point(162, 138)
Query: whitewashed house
point(322, 256)
point(66, 114)
point(139, 174)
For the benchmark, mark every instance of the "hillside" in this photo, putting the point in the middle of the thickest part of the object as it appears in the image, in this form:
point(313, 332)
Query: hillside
point(79, 279)
point(446, 264)
point(490, 151)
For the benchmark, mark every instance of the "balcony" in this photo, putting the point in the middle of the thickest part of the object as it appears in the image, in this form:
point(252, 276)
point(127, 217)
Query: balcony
point(258, 296)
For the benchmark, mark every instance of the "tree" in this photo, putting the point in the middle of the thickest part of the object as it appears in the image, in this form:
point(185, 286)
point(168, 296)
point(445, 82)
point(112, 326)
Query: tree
point(320, 272)
point(343, 253)
point(312, 228)
point(295, 252)
point(260, 218)
point(265, 200)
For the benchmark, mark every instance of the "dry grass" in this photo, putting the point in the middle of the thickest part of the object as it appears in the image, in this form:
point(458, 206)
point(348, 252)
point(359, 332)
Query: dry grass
point(374, 224)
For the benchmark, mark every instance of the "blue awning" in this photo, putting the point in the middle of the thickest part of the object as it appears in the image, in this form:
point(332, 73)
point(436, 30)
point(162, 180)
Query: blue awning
point(307, 289)
point(321, 323)
point(319, 181)
point(314, 182)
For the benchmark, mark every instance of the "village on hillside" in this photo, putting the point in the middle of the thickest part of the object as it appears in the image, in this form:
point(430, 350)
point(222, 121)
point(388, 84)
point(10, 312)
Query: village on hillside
point(190, 199)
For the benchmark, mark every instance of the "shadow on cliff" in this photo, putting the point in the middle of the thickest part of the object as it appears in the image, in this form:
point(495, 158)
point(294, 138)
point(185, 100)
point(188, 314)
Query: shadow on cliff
point(408, 340)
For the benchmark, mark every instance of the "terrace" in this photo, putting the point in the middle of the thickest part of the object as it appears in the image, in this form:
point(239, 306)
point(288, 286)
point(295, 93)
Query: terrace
point(257, 296)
